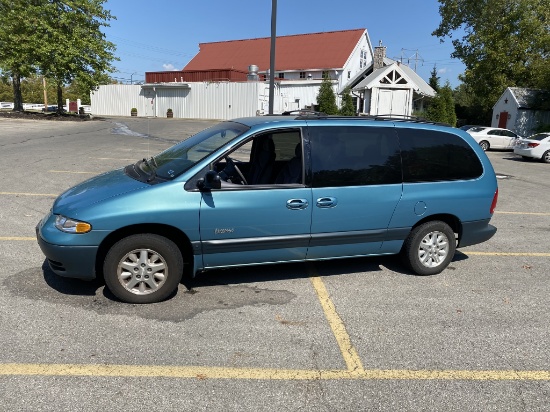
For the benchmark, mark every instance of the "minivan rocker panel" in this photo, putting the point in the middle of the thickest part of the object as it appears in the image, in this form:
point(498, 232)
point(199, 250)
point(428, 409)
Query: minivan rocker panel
point(271, 190)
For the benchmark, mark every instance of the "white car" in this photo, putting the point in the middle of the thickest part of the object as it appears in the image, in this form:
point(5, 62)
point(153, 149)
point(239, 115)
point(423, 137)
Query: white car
point(535, 147)
point(494, 137)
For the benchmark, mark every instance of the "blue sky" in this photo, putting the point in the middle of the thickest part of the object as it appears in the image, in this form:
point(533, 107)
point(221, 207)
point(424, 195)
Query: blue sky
point(165, 35)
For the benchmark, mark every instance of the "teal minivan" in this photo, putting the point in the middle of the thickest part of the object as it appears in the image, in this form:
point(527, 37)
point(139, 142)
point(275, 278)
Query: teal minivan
point(275, 189)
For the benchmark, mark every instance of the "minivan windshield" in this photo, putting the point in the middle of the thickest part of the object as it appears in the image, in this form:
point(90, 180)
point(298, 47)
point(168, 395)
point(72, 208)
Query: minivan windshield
point(182, 156)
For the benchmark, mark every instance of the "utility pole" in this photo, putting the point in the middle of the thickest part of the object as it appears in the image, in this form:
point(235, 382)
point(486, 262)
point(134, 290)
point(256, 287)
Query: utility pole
point(272, 54)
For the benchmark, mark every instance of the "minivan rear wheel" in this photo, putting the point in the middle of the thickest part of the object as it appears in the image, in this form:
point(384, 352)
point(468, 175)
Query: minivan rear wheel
point(429, 248)
point(143, 268)
point(484, 145)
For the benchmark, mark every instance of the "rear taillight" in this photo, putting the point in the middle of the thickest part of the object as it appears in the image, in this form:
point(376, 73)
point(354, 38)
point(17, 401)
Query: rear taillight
point(494, 204)
point(533, 144)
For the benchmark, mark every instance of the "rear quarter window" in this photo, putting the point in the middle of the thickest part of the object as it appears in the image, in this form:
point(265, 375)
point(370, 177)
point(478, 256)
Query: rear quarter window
point(433, 156)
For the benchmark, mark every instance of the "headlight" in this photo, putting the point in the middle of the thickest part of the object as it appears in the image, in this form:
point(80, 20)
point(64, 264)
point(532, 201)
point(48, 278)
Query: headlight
point(68, 225)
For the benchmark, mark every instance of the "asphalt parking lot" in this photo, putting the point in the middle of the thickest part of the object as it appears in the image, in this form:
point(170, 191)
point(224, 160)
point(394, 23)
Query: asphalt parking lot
point(345, 335)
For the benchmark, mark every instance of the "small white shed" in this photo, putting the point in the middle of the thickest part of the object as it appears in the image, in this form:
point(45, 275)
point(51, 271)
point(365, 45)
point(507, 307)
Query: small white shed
point(392, 90)
point(521, 110)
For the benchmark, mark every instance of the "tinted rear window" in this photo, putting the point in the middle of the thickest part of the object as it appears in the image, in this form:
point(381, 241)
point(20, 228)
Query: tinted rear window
point(432, 156)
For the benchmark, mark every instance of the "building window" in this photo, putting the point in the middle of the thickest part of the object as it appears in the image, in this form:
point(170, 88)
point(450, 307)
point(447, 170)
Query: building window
point(363, 59)
point(281, 75)
point(349, 74)
point(302, 75)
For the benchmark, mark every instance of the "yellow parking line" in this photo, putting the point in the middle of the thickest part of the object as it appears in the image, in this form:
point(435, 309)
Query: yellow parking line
point(349, 353)
point(73, 172)
point(467, 252)
point(28, 194)
point(202, 373)
point(523, 213)
point(16, 238)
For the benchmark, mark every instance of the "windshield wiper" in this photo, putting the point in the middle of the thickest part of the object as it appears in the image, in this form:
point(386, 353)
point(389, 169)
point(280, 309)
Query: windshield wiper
point(153, 167)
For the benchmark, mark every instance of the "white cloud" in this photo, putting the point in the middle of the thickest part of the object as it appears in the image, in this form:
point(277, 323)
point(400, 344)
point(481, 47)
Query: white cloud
point(443, 70)
point(169, 67)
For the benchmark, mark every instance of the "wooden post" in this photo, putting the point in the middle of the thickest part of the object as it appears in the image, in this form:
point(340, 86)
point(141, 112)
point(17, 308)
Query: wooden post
point(45, 94)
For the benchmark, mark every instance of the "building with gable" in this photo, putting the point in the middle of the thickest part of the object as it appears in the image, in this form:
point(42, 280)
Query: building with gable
point(522, 110)
point(229, 79)
point(390, 88)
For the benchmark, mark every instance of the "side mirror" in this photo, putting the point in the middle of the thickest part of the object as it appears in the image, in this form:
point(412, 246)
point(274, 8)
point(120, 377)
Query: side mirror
point(210, 181)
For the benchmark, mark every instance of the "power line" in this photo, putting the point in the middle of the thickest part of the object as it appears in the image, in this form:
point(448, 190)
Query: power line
point(416, 57)
point(143, 46)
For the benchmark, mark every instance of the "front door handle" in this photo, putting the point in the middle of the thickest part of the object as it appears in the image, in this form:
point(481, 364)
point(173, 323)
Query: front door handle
point(327, 202)
point(297, 204)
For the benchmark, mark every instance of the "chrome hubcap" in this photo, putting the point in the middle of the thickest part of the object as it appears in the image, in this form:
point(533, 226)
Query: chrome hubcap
point(433, 249)
point(142, 271)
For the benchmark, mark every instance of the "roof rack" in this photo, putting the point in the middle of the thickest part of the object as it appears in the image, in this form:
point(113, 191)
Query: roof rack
point(382, 117)
point(304, 112)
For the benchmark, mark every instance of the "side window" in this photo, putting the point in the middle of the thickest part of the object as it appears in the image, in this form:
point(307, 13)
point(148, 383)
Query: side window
point(267, 159)
point(354, 156)
point(493, 133)
point(431, 156)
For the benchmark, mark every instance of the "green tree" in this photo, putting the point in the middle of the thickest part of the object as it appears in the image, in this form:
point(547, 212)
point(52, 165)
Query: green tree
point(505, 43)
point(6, 91)
point(79, 90)
point(347, 109)
point(77, 49)
point(434, 79)
point(436, 109)
point(60, 39)
point(21, 39)
point(442, 106)
point(467, 107)
point(446, 94)
point(326, 99)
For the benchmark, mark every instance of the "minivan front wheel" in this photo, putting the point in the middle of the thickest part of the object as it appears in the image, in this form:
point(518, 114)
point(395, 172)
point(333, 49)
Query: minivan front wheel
point(143, 268)
point(429, 248)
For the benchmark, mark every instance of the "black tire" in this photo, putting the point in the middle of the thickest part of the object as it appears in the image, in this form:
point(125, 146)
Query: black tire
point(484, 144)
point(546, 157)
point(143, 268)
point(429, 248)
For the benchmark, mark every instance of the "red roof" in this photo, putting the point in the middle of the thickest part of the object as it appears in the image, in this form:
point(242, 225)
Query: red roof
point(328, 50)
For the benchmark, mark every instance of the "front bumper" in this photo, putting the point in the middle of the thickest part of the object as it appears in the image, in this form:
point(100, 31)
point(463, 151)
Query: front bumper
point(69, 261)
